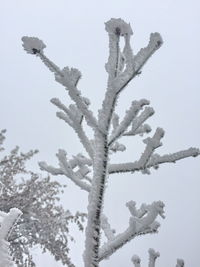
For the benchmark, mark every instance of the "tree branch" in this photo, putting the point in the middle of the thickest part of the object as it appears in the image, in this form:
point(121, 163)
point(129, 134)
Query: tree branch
point(154, 161)
point(143, 224)
point(130, 115)
point(153, 255)
point(139, 60)
point(66, 168)
point(73, 117)
point(67, 77)
point(109, 233)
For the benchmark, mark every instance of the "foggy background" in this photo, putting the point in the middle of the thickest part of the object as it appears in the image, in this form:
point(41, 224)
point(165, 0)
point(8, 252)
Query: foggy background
point(74, 34)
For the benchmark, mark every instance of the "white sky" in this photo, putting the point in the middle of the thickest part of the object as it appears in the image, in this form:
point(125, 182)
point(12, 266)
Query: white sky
point(75, 36)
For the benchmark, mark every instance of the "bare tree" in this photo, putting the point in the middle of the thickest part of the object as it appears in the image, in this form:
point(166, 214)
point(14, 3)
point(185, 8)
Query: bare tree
point(44, 222)
point(91, 172)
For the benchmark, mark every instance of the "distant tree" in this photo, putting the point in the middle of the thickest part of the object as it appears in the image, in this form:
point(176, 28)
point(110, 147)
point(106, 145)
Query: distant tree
point(92, 171)
point(44, 222)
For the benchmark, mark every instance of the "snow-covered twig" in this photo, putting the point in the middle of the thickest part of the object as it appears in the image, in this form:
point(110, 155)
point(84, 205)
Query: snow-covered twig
point(141, 130)
point(130, 115)
point(139, 120)
point(151, 145)
point(154, 161)
point(139, 60)
point(140, 224)
point(50, 169)
point(67, 77)
point(131, 205)
point(67, 169)
point(73, 117)
point(153, 255)
point(109, 233)
point(117, 28)
point(67, 166)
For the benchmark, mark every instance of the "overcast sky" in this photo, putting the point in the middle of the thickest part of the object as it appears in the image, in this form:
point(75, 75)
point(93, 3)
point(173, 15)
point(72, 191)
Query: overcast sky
point(74, 34)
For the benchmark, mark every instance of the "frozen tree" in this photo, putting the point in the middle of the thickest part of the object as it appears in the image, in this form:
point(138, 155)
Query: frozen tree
point(91, 171)
point(44, 222)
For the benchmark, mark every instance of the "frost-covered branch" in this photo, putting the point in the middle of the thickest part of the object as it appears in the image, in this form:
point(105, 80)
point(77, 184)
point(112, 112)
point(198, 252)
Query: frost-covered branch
point(153, 255)
point(50, 169)
point(151, 145)
point(140, 223)
point(67, 168)
point(136, 106)
point(117, 28)
point(140, 130)
point(109, 233)
point(138, 62)
point(78, 161)
point(137, 126)
point(73, 117)
point(131, 205)
point(67, 77)
point(154, 161)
